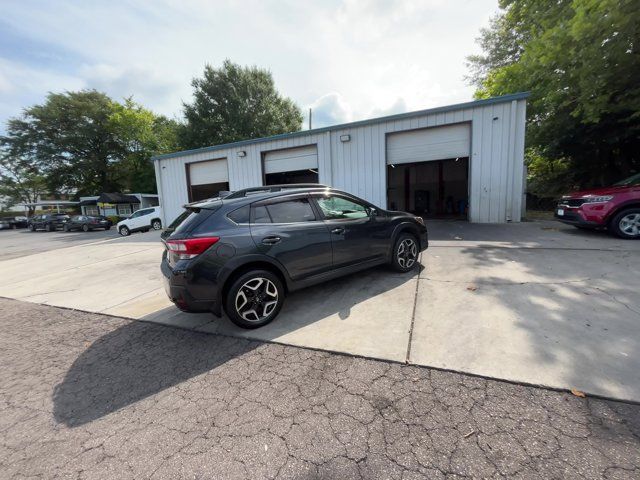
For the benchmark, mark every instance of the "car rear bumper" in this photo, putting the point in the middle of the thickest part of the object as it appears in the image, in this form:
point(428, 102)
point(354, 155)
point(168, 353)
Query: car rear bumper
point(184, 295)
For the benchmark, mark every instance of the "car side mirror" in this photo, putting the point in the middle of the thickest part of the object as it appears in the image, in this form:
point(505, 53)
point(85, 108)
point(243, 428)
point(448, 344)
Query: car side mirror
point(373, 212)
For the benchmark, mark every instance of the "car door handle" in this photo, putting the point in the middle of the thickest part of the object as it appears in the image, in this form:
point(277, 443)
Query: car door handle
point(271, 240)
point(338, 230)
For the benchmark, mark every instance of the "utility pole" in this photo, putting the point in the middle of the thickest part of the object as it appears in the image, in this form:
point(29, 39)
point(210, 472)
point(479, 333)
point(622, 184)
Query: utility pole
point(310, 114)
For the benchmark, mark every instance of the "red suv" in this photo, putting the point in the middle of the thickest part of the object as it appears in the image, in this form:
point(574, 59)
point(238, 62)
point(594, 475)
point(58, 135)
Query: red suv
point(616, 207)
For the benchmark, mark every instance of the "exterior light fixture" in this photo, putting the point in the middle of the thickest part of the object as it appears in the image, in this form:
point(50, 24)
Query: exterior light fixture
point(345, 138)
point(242, 153)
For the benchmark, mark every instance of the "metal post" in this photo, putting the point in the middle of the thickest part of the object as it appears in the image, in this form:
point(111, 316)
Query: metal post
point(310, 115)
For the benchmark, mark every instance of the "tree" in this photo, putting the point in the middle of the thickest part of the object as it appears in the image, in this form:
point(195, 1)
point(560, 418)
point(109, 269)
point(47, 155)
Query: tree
point(85, 143)
point(580, 60)
point(71, 139)
point(20, 181)
point(142, 134)
point(236, 103)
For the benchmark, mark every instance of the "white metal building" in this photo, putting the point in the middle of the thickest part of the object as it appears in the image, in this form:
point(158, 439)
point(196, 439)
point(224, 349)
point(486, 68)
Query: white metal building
point(459, 161)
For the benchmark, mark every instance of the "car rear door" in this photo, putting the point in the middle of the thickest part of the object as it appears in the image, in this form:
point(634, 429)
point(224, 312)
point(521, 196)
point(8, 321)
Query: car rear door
point(139, 219)
point(290, 231)
point(357, 233)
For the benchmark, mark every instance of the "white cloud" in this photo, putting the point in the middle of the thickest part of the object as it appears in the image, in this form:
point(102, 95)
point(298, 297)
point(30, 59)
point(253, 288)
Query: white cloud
point(382, 56)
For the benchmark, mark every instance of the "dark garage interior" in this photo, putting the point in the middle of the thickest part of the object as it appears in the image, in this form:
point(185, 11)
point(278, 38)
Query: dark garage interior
point(435, 189)
point(297, 176)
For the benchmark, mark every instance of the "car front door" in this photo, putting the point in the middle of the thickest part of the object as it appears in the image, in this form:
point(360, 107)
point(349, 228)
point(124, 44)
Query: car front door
point(290, 231)
point(358, 234)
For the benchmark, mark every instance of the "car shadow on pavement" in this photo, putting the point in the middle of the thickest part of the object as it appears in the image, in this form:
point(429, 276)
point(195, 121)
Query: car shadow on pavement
point(133, 362)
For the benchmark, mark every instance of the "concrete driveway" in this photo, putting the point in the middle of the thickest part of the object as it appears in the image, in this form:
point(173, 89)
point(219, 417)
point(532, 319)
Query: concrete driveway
point(535, 302)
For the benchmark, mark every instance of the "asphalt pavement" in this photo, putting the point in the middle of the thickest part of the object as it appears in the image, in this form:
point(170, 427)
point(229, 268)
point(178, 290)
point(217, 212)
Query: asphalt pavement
point(84, 395)
point(22, 242)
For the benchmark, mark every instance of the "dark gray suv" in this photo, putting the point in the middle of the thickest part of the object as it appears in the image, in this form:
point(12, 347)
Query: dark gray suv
point(244, 252)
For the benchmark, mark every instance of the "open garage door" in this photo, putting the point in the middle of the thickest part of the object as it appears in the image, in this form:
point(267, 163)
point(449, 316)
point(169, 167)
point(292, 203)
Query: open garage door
point(428, 171)
point(292, 165)
point(207, 179)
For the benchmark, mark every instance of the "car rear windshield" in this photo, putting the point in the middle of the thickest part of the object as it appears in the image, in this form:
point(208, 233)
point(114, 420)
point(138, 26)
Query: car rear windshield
point(189, 219)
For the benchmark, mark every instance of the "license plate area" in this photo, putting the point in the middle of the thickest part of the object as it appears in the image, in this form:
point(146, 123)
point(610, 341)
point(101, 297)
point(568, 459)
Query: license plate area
point(560, 212)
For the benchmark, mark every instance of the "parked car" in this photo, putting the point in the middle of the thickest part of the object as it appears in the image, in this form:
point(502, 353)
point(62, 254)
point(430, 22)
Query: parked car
point(86, 223)
point(47, 221)
point(616, 208)
point(243, 253)
point(141, 220)
point(13, 222)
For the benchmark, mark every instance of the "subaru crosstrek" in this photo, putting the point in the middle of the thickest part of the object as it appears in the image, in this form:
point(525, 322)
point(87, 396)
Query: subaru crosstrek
point(616, 208)
point(243, 253)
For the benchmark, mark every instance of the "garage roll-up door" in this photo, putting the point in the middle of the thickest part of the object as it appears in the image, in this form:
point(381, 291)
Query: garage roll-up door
point(203, 173)
point(437, 143)
point(291, 159)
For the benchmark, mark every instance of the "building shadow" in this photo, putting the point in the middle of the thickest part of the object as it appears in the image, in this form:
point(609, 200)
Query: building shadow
point(578, 310)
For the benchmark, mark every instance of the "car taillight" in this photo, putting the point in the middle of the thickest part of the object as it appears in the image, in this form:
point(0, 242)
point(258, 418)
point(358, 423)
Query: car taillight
point(190, 247)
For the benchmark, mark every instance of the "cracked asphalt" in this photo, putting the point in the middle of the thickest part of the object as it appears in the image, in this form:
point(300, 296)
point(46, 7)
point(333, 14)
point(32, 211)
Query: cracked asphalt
point(91, 396)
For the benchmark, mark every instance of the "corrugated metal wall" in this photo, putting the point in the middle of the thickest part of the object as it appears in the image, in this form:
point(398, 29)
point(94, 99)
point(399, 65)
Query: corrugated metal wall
point(358, 166)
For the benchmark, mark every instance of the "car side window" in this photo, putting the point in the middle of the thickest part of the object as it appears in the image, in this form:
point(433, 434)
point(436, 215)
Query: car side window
point(136, 214)
point(334, 207)
point(291, 211)
point(260, 215)
point(240, 215)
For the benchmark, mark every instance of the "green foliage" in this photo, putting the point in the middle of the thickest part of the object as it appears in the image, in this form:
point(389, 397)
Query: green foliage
point(70, 138)
point(83, 142)
point(20, 180)
point(580, 61)
point(141, 134)
point(235, 103)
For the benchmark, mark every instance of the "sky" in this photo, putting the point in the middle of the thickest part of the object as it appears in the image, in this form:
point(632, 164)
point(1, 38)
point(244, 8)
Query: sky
point(347, 60)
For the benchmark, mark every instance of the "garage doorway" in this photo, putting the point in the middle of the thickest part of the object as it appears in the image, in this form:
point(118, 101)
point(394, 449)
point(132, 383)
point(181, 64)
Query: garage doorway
point(206, 179)
point(291, 165)
point(428, 171)
point(435, 189)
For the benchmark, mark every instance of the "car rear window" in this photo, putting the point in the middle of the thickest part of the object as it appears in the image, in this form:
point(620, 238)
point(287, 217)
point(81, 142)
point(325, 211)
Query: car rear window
point(190, 219)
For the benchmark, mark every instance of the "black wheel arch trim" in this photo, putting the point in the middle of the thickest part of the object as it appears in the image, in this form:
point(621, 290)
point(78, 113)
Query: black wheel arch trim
point(405, 226)
point(238, 263)
point(633, 203)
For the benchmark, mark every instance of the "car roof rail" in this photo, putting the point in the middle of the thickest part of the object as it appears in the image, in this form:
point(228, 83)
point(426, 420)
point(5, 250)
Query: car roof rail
point(272, 188)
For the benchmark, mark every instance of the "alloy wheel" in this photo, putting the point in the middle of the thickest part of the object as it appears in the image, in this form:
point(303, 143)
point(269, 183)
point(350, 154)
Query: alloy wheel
point(407, 253)
point(256, 299)
point(630, 224)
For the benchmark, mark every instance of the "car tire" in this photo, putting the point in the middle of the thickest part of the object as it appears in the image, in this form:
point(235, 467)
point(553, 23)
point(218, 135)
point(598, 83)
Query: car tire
point(48, 227)
point(156, 224)
point(405, 253)
point(248, 302)
point(626, 224)
point(124, 231)
point(85, 228)
point(31, 228)
point(107, 228)
point(66, 228)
